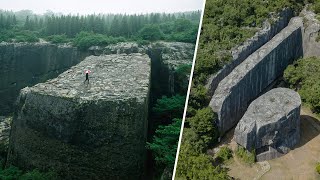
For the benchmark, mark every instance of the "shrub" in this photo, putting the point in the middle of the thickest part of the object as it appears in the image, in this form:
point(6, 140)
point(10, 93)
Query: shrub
point(304, 76)
point(199, 167)
point(84, 40)
point(203, 123)
point(245, 155)
point(62, 38)
point(225, 153)
point(318, 168)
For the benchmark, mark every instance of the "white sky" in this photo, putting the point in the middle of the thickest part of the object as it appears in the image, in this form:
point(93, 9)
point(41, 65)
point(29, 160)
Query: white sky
point(102, 6)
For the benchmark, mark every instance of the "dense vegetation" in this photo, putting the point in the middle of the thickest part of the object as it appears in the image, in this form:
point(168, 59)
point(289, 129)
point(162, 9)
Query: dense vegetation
point(166, 118)
point(14, 173)
point(304, 76)
point(226, 24)
point(87, 30)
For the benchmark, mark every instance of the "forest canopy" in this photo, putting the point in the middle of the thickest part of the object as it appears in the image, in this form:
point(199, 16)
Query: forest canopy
point(103, 29)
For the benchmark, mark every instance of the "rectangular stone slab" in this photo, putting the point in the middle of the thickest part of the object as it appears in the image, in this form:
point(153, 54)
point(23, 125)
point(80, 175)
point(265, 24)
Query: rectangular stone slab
point(94, 131)
point(253, 75)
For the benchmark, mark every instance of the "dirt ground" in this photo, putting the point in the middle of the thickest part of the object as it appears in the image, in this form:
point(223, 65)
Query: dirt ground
point(298, 164)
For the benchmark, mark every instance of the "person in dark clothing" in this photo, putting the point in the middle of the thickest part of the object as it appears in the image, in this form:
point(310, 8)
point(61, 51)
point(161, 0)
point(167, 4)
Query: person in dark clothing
point(87, 75)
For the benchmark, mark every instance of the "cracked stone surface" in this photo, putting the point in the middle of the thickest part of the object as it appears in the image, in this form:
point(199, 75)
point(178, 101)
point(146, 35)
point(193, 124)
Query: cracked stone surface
point(250, 78)
point(271, 125)
point(94, 131)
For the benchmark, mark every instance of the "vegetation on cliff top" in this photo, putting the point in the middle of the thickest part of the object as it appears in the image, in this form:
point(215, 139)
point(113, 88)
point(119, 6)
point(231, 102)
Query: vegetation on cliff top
point(226, 24)
point(89, 30)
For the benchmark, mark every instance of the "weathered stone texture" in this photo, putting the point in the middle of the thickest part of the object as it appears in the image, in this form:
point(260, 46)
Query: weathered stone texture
point(95, 131)
point(166, 58)
point(256, 73)
point(241, 52)
point(271, 125)
point(26, 64)
point(310, 34)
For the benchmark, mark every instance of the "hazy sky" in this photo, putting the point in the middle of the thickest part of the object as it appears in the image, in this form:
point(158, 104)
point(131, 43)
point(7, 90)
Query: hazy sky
point(102, 6)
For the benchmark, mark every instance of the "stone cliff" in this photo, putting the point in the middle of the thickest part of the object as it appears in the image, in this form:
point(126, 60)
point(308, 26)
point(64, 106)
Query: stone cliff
point(166, 58)
point(241, 52)
point(250, 78)
point(94, 131)
point(26, 64)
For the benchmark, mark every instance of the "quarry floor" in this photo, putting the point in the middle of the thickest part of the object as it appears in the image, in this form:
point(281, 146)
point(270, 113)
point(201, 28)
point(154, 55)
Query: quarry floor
point(298, 164)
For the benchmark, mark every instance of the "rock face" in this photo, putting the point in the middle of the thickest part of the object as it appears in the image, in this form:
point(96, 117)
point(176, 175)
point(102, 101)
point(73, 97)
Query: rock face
point(271, 125)
point(166, 58)
point(123, 48)
point(310, 34)
point(26, 64)
point(240, 53)
point(255, 74)
point(86, 131)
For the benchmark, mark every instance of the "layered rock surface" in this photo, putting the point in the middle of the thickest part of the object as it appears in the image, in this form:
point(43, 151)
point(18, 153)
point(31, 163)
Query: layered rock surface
point(26, 64)
point(166, 58)
point(94, 131)
point(256, 73)
point(271, 125)
point(311, 45)
point(241, 52)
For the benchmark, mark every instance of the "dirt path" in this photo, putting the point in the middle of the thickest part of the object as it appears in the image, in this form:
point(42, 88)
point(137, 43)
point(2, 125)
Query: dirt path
point(297, 164)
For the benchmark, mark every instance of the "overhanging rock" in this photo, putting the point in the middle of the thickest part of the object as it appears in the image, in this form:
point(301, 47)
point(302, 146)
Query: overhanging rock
point(271, 125)
point(95, 131)
point(249, 79)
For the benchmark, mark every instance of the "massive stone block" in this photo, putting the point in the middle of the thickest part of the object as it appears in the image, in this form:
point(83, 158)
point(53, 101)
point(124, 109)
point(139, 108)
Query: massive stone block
point(94, 131)
point(250, 78)
point(26, 64)
point(271, 125)
point(241, 52)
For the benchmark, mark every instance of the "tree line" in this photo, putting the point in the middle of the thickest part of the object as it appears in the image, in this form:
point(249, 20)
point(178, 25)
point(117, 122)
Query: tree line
point(154, 26)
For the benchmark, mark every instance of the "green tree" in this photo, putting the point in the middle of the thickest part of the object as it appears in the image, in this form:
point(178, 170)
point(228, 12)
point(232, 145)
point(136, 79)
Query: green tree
point(203, 123)
point(151, 32)
point(165, 142)
point(170, 107)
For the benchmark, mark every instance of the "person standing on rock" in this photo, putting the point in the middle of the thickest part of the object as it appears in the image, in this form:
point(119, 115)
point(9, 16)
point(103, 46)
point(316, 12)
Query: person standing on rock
point(87, 76)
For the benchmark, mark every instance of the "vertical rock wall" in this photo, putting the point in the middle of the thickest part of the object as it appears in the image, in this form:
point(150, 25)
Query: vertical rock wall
point(240, 53)
point(86, 131)
point(253, 75)
point(26, 64)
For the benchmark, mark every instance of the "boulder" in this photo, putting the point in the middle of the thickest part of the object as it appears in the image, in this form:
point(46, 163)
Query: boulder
point(95, 130)
point(271, 125)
